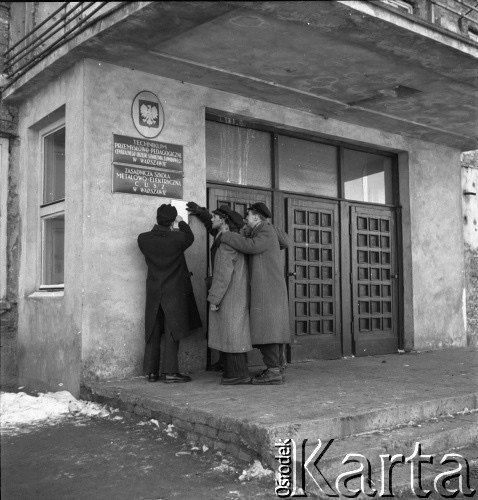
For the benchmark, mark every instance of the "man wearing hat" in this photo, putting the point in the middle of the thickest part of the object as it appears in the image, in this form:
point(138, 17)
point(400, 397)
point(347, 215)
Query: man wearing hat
point(228, 296)
point(171, 309)
point(269, 308)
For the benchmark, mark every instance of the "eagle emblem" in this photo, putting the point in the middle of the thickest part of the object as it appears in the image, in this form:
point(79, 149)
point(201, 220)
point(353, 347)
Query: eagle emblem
point(148, 114)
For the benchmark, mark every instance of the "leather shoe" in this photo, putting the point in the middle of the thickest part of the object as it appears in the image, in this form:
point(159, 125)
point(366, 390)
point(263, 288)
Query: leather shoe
point(270, 376)
point(173, 378)
point(153, 377)
point(235, 380)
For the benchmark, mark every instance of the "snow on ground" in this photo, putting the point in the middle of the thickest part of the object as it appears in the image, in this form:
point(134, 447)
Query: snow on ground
point(256, 470)
point(21, 413)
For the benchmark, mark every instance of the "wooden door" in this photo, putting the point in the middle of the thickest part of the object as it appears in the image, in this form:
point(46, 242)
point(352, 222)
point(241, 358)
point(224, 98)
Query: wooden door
point(314, 289)
point(374, 278)
point(238, 199)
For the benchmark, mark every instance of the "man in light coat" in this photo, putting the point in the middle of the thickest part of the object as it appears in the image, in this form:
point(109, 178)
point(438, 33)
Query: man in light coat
point(269, 309)
point(228, 296)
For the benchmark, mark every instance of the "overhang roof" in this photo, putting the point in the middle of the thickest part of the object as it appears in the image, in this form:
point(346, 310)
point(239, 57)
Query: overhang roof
point(359, 63)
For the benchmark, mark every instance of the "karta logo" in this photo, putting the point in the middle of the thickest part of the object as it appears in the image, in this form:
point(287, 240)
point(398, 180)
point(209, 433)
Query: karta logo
point(293, 474)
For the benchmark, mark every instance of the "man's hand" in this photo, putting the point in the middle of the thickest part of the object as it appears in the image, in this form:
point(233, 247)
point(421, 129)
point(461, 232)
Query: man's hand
point(193, 208)
point(178, 219)
point(213, 307)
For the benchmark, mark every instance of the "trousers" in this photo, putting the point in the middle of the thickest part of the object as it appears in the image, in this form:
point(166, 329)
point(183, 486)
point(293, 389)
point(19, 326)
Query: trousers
point(235, 364)
point(152, 350)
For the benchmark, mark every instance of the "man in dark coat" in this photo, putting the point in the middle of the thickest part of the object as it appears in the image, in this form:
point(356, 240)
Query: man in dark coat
point(269, 310)
point(170, 305)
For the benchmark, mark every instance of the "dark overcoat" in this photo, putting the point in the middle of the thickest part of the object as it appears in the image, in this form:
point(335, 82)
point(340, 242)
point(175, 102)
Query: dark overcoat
point(269, 309)
point(168, 283)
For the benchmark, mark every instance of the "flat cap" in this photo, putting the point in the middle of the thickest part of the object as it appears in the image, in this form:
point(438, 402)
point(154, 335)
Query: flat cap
point(232, 217)
point(262, 209)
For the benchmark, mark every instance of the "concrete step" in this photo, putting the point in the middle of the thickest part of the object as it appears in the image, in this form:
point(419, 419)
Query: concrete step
point(214, 415)
point(338, 427)
point(436, 437)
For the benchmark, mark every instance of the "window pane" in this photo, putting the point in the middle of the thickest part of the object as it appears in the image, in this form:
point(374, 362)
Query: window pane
point(238, 155)
point(367, 177)
point(54, 167)
point(307, 167)
point(53, 249)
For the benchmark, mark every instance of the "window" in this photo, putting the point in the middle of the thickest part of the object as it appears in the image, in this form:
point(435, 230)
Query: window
point(307, 167)
point(52, 207)
point(473, 34)
point(400, 5)
point(238, 155)
point(367, 177)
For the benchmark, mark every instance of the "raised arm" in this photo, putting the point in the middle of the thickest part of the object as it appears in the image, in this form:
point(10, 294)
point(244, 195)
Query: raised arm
point(253, 245)
point(188, 234)
point(203, 215)
point(223, 269)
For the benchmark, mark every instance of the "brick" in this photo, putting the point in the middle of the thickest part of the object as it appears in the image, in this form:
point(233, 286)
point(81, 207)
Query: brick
point(207, 441)
point(244, 456)
point(205, 430)
point(193, 437)
point(230, 437)
point(233, 449)
point(183, 424)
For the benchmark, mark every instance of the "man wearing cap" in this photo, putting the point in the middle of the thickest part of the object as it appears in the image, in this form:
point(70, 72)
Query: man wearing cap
point(228, 296)
point(269, 308)
point(171, 309)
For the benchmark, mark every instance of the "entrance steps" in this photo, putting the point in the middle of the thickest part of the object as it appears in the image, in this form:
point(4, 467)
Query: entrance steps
point(436, 436)
point(370, 406)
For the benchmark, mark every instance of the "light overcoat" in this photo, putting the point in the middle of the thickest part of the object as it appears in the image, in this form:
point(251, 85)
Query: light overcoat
point(269, 309)
point(168, 283)
point(229, 327)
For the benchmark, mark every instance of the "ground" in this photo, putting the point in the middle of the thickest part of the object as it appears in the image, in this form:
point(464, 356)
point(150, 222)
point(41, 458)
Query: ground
point(108, 456)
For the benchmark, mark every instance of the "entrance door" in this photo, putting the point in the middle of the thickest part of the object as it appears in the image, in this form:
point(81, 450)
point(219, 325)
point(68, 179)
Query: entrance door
point(238, 199)
point(314, 290)
point(374, 278)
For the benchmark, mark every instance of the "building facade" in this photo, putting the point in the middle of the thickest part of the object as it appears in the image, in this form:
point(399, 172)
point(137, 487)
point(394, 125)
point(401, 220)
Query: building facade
point(346, 118)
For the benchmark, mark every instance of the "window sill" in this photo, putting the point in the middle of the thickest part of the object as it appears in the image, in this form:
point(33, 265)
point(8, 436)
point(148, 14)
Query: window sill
point(42, 294)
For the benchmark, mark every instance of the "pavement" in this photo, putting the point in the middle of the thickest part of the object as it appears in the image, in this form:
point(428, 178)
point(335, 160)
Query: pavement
point(378, 404)
point(120, 458)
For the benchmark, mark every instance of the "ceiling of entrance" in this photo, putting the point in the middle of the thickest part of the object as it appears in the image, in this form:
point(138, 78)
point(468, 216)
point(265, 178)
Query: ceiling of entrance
point(321, 57)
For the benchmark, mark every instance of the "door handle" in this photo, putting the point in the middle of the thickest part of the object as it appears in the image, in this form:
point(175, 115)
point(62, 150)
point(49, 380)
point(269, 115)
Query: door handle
point(394, 276)
point(292, 274)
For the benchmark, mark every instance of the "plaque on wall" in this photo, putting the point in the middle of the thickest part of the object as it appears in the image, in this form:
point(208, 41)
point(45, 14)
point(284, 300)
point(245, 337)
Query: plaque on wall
point(146, 153)
point(147, 114)
point(147, 181)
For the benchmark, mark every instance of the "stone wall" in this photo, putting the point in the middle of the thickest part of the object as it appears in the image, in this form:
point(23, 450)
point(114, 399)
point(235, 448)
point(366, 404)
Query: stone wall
point(469, 164)
point(8, 300)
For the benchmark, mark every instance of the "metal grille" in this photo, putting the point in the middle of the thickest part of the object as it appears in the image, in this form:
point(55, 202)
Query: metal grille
point(314, 266)
point(65, 23)
point(374, 274)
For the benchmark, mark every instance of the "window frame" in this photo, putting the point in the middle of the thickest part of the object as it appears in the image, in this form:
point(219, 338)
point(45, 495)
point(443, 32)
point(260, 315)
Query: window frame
point(50, 209)
point(277, 129)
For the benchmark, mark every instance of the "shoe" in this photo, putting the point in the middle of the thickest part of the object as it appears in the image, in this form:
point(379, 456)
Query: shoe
point(235, 380)
point(172, 378)
point(271, 376)
point(282, 371)
point(153, 377)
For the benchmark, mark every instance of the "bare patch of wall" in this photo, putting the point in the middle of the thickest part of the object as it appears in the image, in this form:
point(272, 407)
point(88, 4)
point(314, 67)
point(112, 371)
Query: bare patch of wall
point(469, 164)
